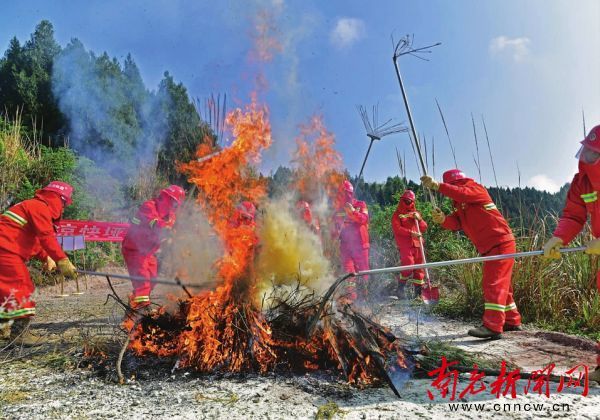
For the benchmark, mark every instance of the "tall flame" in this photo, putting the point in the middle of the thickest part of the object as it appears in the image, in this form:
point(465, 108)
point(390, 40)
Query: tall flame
point(318, 162)
point(223, 180)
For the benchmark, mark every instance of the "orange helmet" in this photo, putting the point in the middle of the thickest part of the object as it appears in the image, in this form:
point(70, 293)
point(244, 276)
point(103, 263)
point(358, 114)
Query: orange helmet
point(61, 188)
point(175, 192)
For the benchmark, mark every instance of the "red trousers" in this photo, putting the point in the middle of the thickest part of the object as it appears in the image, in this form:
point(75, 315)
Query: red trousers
point(16, 288)
point(410, 256)
point(145, 266)
point(354, 258)
point(500, 307)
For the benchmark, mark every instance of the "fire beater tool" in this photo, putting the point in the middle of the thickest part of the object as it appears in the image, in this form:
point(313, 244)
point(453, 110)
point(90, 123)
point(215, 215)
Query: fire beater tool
point(388, 270)
point(429, 293)
point(404, 46)
point(376, 131)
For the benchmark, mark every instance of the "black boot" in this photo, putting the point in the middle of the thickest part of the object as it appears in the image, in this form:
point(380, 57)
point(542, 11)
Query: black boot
point(401, 292)
point(418, 291)
point(484, 332)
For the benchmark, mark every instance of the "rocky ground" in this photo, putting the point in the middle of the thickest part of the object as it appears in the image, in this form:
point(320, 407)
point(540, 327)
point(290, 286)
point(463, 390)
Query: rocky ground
point(53, 381)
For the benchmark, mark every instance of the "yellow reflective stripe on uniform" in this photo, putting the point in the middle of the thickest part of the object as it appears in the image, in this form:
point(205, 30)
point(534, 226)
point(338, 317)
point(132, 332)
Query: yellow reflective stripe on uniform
point(590, 197)
point(17, 313)
point(490, 206)
point(153, 222)
point(418, 282)
point(510, 307)
point(15, 218)
point(494, 307)
point(139, 299)
point(135, 221)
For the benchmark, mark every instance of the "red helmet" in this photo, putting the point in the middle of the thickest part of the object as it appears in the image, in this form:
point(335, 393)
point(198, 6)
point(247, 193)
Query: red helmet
point(453, 175)
point(347, 186)
point(592, 140)
point(175, 192)
point(61, 188)
point(408, 195)
point(247, 209)
point(302, 205)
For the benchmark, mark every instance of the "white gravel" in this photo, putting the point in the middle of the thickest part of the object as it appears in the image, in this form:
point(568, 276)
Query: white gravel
point(29, 391)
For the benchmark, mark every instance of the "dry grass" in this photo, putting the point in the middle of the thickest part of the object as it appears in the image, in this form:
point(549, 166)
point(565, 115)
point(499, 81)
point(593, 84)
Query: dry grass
point(8, 397)
point(16, 155)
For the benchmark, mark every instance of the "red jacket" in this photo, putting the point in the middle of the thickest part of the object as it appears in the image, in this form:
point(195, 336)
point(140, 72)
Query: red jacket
point(404, 223)
point(144, 235)
point(476, 214)
point(27, 228)
point(581, 200)
point(352, 228)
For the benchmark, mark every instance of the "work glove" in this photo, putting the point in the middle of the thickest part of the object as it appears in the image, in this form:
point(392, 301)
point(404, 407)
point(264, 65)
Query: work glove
point(49, 265)
point(593, 247)
point(438, 216)
point(349, 208)
point(551, 248)
point(66, 268)
point(415, 234)
point(429, 182)
point(417, 216)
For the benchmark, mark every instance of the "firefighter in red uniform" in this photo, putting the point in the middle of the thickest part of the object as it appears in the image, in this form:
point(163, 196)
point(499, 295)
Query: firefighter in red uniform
point(476, 214)
point(582, 199)
point(305, 213)
point(244, 215)
point(27, 230)
point(408, 227)
point(351, 227)
point(143, 241)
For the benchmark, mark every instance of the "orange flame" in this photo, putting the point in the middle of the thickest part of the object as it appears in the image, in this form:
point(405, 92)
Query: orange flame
point(318, 162)
point(223, 329)
point(266, 42)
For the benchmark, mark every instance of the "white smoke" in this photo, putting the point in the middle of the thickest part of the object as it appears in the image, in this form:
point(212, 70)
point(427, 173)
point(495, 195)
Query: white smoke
point(99, 113)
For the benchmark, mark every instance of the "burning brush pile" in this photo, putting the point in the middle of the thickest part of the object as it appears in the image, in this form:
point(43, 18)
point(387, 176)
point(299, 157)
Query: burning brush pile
point(265, 313)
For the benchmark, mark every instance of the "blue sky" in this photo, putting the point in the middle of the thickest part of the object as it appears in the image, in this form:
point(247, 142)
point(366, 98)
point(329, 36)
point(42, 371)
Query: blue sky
point(528, 66)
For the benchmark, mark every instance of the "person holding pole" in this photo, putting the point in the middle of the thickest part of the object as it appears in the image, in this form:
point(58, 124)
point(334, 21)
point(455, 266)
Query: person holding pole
point(408, 227)
point(26, 230)
point(143, 241)
point(350, 226)
point(582, 199)
point(477, 216)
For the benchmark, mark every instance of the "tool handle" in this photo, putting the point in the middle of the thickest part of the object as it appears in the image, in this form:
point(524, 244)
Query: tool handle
point(138, 278)
point(423, 252)
point(463, 261)
point(412, 125)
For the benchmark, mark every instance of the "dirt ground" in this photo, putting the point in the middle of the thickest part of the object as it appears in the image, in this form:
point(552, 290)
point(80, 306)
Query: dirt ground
point(47, 382)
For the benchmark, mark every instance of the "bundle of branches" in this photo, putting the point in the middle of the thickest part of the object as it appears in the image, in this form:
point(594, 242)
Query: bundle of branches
point(344, 341)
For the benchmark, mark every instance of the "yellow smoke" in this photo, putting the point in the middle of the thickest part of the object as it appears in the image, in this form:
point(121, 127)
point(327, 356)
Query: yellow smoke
point(290, 252)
